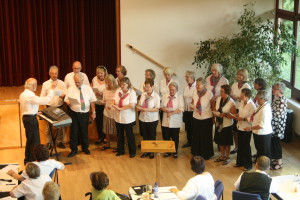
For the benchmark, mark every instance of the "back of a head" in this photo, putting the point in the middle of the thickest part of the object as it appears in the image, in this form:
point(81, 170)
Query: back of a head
point(197, 164)
point(263, 163)
point(41, 152)
point(32, 170)
point(51, 191)
point(99, 180)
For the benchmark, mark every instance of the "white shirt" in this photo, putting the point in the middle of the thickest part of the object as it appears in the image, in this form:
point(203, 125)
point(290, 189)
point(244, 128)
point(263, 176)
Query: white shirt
point(69, 79)
point(263, 118)
point(153, 102)
point(100, 87)
point(108, 98)
point(125, 116)
point(236, 92)
point(88, 97)
point(29, 102)
point(46, 167)
point(164, 87)
point(226, 109)
point(206, 111)
point(273, 186)
point(56, 101)
point(222, 81)
point(202, 184)
point(245, 111)
point(31, 188)
point(188, 95)
point(174, 121)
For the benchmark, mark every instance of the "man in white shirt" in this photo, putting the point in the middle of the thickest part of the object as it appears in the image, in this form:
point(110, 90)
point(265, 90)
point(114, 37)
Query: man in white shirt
point(29, 105)
point(80, 98)
point(69, 78)
point(57, 101)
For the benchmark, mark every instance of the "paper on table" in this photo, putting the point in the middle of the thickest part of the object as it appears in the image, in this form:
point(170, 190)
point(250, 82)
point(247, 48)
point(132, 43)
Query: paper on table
point(165, 189)
point(57, 92)
point(13, 167)
point(74, 101)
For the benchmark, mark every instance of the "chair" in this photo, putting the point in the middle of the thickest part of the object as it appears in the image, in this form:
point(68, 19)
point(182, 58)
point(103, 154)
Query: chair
point(200, 197)
point(237, 195)
point(219, 188)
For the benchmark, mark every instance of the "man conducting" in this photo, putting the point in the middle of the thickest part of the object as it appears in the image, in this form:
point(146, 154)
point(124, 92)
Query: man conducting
point(29, 104)
point(69, 78)
point(57, 101)
point(80, 98)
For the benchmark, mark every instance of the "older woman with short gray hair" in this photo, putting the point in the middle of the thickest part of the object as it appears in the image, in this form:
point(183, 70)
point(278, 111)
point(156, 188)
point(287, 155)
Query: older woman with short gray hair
point(279, 110)
point(261, 125)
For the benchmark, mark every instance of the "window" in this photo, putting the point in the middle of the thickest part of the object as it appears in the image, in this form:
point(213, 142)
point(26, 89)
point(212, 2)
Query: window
point(288, 12)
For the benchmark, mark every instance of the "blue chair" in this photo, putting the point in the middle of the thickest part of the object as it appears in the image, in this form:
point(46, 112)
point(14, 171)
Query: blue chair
point(200, 197)
point(219, 188)
point(237, 195)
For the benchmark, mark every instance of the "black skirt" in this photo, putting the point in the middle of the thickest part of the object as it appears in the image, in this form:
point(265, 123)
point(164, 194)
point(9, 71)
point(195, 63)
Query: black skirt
point(276, 150)
point(225, 137)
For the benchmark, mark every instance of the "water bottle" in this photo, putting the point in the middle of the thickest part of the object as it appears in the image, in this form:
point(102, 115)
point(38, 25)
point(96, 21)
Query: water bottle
point(155, 190)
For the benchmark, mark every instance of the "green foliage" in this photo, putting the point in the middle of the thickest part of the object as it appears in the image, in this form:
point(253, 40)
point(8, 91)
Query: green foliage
point(258, 47)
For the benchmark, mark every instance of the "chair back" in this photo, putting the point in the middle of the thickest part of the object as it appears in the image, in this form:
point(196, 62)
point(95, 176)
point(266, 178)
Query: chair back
point(200, 197)
point(219, 188)
point(237, 195)
point(89, 194)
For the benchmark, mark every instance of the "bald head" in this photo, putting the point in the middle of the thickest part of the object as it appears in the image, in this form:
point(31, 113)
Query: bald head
point(30, 84)
point(76, 67)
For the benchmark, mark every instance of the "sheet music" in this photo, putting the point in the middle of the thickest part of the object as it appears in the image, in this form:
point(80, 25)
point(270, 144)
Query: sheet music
point(13, 167)
point(57, 92)
point(74, 101)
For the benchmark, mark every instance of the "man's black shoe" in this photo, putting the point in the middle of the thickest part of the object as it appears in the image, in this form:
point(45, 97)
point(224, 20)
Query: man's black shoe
point(73, 153)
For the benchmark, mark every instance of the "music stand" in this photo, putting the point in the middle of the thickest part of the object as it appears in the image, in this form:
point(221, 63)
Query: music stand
point(158, 146)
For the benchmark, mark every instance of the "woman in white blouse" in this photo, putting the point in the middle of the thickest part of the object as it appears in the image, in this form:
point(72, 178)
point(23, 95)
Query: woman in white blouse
point(236, 88)
point(124, 102)
point(148, 106)
point(121, 72)
point(201, 184)
point(261, 125)
point(225, 112)
point(172, 107)
point(246, 109)
point(98, 85)
point(216, 80)
point(188, 93)
point(202, 124)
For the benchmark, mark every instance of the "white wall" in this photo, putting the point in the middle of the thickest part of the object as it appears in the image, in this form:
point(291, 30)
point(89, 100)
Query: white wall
point(166, 30)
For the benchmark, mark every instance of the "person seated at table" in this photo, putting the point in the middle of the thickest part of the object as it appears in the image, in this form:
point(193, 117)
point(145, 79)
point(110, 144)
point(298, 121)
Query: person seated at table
point(51, 191)
point(32, 187)
point(100, 182)
point(201, 184)
point(45, 164)
point(257, 182)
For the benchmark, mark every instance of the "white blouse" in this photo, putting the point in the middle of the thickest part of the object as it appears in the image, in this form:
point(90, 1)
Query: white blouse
point(125, 116)
point(188, 96)
point(245, 111)
point(236, 91)
point(263, 118)
point(226, 109)
point(164, 87)
point(174, 121)
point(206, 111)
point(100, 87)
point(222, 81)
point(153, 102)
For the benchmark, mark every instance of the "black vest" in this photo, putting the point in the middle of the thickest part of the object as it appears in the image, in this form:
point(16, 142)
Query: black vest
point(256, 183)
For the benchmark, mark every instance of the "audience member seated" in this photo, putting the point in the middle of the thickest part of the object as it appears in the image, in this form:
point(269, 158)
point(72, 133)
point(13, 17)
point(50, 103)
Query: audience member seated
point(51, 191)
point(32, 187)
point(45, 164)
point(257, 182)
point(100, 182)
point(201, 184)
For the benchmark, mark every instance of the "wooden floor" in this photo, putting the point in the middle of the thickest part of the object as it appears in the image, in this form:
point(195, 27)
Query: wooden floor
point(125, 172)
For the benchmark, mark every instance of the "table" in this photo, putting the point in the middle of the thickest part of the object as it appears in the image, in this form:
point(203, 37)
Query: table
point(8, 183)
point(164, 193)
point(289, 187)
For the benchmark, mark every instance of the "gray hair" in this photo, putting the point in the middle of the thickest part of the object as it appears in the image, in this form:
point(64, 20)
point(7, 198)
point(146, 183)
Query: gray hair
point(29, 83)
point(281, 86)
point(263, 94)
point(152, 72)
point(79, 75)
point(218, 67)
point(53, 67)
point(175, 84)
point(168, 71)
point(191, 74)
point(51, 191)
point(32, 170)
point(202, 80)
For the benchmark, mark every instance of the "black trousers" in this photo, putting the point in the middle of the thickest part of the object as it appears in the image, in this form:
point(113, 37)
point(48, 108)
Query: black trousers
point(99, 120)
point(263, 145)
point(276, 149)
point(149, 130)
point(187, 119)
point(161, 116)
point(244, 149)
point(79, 128)
point(202, 144)
point(128, 128)
point(171, 133)
point(32, 132)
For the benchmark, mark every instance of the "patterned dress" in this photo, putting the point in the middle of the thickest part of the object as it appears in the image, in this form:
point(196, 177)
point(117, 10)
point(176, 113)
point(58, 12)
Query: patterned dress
point(279, 111)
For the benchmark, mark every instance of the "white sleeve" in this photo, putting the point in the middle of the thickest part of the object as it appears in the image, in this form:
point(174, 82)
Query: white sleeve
point(181, 103)
point(188, 192)
point(58, 165)
point(19, 191)
point(40, 100)
point(133, 97)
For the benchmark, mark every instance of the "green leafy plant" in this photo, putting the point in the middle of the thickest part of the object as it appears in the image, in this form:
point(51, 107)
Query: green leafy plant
point(258, 47)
